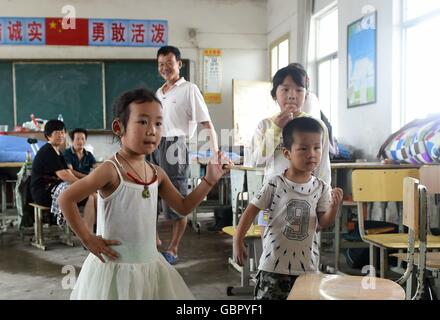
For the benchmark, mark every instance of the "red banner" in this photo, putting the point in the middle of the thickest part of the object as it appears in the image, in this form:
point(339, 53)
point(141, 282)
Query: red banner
point(56, 35)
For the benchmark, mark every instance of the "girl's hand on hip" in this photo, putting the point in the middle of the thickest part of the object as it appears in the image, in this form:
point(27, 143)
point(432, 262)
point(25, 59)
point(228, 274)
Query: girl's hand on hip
point(99, 246)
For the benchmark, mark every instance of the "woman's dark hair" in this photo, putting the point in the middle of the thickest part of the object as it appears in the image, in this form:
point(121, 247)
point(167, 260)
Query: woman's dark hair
point(301, 124)
point(121, 109)
point(294, 70)
point(169, 49)
point(53, 125)
point(77, 130)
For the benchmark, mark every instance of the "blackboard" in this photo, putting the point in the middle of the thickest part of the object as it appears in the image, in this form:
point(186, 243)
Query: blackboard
point(121, 76)
point(6, 95)
point(74, 89)
point(71, 89)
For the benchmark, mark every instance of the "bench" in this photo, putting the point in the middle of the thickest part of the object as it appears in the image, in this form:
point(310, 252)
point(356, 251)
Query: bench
point(38, 239)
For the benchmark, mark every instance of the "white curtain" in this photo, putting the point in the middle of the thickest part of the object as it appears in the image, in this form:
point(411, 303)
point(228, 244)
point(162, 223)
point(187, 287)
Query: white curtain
point(305, 11)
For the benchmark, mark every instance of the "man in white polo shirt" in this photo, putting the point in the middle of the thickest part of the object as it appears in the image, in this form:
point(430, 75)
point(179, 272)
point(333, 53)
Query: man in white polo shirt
point(183, 107)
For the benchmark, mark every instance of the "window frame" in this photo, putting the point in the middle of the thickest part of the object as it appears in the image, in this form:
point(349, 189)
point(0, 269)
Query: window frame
point(276, 44)
point(317, 62)
point(406, 24)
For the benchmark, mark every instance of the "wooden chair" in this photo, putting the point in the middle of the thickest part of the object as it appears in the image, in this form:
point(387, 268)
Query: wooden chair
point(38, 239)
point(416, 219)
point(382, 185)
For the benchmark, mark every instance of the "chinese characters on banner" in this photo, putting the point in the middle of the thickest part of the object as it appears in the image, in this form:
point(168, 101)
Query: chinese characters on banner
point(212, 80)
point(87, 32)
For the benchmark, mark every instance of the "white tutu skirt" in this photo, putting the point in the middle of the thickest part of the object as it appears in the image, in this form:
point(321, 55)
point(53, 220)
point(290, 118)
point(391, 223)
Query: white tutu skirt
point(129, 281)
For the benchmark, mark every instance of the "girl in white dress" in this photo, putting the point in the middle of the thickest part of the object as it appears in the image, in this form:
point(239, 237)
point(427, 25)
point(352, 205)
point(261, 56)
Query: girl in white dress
point(124, 262)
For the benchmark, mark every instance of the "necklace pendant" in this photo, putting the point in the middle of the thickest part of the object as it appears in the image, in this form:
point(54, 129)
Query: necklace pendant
point(146, 193)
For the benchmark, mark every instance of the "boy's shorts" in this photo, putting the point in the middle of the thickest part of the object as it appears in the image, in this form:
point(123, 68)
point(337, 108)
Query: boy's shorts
point(273, 286)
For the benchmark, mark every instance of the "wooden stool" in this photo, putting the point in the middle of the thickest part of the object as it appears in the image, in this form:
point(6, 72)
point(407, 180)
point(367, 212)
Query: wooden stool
point(320, 286)
point(38, 242)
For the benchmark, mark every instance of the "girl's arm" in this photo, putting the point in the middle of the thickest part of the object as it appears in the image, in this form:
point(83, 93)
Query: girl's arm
point(246, 219)
point(98, 179)
point(326, 219)
point(182, 205)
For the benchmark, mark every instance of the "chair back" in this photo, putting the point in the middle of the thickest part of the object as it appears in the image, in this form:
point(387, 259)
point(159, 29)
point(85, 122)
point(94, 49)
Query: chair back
point(411, 205)
point(378, 185)
point(430, 178)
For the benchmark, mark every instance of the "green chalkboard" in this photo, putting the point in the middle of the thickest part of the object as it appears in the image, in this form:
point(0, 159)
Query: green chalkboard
point(6, 94)
point(121, 76)
point(73, 89)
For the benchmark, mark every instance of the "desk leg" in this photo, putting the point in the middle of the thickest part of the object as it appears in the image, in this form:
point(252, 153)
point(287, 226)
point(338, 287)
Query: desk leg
point(3, 191)
point(372, 253)
point(337, 238)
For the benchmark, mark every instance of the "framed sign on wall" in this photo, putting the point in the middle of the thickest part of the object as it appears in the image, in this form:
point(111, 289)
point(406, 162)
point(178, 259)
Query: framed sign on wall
point(362, 61)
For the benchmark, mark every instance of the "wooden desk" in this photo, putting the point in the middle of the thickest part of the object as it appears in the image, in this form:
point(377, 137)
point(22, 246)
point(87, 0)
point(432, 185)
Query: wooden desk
point(242, 176)
point(335, 287)
point(11, 164)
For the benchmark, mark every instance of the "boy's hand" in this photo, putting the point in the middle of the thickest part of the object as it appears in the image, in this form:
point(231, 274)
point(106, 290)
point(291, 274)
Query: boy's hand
point(217, 166)
point(240, 252)
point(98, 246)
point(337, 195)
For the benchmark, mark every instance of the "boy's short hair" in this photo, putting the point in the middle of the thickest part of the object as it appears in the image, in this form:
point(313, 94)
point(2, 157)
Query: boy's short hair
point(301, 124)
point(77, 130)
point(53, 125)
point(169, 49)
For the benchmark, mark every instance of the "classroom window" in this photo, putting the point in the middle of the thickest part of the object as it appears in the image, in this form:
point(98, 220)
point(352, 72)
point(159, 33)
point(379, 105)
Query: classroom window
point(326, 62)
point(279, 54)
point(421, 65)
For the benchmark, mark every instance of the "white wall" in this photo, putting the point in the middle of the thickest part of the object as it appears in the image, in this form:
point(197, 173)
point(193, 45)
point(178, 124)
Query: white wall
point(238, 27)
point(367, 127)
point(282, 18)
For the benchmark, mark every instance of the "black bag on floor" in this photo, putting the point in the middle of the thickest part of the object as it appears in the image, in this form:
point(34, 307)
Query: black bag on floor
point(223, 218)
point(357, 258)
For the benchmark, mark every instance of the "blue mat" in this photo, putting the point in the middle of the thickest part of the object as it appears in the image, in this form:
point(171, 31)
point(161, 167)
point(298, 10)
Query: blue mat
point(13, 149)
